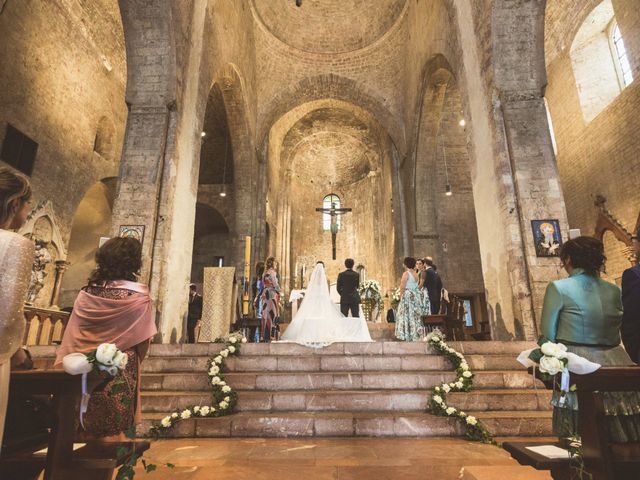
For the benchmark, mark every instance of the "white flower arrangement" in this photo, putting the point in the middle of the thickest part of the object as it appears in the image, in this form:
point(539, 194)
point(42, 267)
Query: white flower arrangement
point(106, 358)
point(224, 397)
point(395, 298)
point(474, 429)
point(370, 289)
point(552, 359)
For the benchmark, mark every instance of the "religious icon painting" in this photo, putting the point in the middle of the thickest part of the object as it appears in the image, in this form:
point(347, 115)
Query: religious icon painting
point(547, 238)
point(132, 231)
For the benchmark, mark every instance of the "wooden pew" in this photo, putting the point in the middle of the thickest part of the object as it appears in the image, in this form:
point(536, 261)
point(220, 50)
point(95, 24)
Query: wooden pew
point(603, 459)
point(95, 461)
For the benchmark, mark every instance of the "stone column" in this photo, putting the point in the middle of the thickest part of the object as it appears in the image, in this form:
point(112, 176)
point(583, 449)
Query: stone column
point(141, 172)
point(61, 267)
point(538, 196)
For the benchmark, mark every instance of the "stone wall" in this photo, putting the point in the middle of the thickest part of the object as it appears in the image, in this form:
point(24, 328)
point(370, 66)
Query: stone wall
point(597, 156)
point(63, 85)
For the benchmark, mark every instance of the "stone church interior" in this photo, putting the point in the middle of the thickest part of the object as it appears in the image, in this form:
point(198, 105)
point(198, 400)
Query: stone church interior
point(478, 160)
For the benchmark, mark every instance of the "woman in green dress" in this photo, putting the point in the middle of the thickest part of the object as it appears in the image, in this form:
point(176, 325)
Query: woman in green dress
point(409, 326)
point(584, 313)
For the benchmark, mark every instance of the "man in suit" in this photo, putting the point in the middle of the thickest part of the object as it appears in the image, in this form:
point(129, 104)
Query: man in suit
point(433, 284)
point(347, 287)
point(630, 329)
point(195, 312)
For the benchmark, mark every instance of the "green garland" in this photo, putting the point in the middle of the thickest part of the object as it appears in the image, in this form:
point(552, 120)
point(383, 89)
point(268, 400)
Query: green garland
point(223, 396)
point(474, 428)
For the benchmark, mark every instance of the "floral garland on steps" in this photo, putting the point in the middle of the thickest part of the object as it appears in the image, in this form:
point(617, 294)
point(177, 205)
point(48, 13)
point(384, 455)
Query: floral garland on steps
point(474, 429)
point(224, 398)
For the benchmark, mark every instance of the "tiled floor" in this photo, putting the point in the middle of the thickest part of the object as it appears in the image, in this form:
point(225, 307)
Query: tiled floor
point(313, 458)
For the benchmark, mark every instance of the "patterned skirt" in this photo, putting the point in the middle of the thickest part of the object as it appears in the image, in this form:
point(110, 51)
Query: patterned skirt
point(622, 408)
point(409, 326)
point(112, 407)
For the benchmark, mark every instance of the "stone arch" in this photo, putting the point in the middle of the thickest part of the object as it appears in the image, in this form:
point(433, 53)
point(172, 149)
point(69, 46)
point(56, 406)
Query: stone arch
point(329, 86)
point(228, 85)
point(211, 240)
point(441, 219)
point(91, 222)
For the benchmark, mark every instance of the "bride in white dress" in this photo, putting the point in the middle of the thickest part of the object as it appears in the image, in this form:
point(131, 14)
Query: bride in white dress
point(319, 322)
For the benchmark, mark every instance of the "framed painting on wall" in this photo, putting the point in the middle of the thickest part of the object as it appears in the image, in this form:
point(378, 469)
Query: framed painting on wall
point(132, 231)
point(547, 238)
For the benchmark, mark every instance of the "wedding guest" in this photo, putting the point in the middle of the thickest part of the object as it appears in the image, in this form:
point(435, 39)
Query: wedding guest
point(421, 268)
point(433, 284)
point(631, 304)
point(258, 286)
point(194, 314)
point(270, 300)
point(16, 259)
point(584, 313)
point(409, 326)
point(113, 308)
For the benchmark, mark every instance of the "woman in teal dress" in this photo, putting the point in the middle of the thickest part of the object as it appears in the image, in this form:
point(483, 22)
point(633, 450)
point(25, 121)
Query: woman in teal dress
point(409, 325)
point(584, 313)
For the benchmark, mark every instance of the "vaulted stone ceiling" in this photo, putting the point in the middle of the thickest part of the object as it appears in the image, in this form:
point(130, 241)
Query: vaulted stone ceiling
point(328, 26)
point(330, 147)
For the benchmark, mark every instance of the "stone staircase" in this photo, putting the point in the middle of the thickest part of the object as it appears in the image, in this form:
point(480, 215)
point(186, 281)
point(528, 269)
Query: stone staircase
point(350, 389)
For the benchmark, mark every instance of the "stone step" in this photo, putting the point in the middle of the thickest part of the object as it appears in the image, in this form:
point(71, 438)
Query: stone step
point(346, 348)
point(352, 400)
point(352, 424)
point(274, 381)
point(331, 363)
point(503, 472)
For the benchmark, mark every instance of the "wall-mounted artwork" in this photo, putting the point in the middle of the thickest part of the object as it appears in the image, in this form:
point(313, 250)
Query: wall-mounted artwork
point(133, 231)
point(547, 238)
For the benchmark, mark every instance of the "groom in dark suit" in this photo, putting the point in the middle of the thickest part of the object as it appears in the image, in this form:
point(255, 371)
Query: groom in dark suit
point(347, 287)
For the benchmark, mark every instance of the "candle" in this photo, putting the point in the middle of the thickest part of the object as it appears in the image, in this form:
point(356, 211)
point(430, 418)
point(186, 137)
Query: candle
point(247, 273)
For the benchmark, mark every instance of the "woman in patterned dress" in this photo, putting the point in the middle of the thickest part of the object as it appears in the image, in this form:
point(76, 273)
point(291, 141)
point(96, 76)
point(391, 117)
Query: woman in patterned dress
point(113, 308)
point(409, 326)
point(270, 300)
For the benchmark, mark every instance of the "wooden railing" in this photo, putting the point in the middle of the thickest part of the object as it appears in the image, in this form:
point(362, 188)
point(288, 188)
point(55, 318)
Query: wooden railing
point(44, 327)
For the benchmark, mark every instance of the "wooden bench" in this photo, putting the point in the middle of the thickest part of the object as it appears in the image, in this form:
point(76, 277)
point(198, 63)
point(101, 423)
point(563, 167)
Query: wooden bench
point(603, 459)
point(95, 460)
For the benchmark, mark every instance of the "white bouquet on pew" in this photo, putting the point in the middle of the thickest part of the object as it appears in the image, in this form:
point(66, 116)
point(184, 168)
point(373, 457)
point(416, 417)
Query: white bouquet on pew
point(106, 358)
point(552, 359)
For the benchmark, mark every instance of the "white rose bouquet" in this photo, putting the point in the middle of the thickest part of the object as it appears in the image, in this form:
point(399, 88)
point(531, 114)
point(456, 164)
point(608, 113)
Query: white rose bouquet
point(106, 358)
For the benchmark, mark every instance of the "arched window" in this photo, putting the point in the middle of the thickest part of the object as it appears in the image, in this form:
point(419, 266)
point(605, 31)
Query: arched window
point(621, 59)
point(331, 200)
point(600, 64)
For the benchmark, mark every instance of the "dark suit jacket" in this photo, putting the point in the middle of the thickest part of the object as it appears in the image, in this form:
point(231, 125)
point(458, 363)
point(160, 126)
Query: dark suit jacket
point(433, 284)
point(347, 286)
point(195, 307)
point(630, 329)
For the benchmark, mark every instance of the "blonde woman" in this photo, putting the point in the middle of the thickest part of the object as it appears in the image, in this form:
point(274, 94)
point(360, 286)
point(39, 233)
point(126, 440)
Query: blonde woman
point(16, 259)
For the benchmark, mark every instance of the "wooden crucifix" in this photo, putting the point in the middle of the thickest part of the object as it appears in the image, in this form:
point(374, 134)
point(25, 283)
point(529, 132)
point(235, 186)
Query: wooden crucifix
point(334, 212)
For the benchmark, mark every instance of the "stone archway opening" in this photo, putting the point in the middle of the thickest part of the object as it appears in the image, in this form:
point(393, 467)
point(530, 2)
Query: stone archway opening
point(91, 222)
point(211, 241)
point(330, 147)
point(443, 210)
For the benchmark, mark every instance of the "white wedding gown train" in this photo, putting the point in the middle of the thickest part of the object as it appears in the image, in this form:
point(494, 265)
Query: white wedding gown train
point(319, 321)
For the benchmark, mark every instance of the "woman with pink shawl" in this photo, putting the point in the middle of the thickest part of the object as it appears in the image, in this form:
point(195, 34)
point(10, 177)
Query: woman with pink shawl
point(113, 308)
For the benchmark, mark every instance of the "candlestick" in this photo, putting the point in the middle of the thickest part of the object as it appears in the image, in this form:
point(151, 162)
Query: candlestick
point(247, 273)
